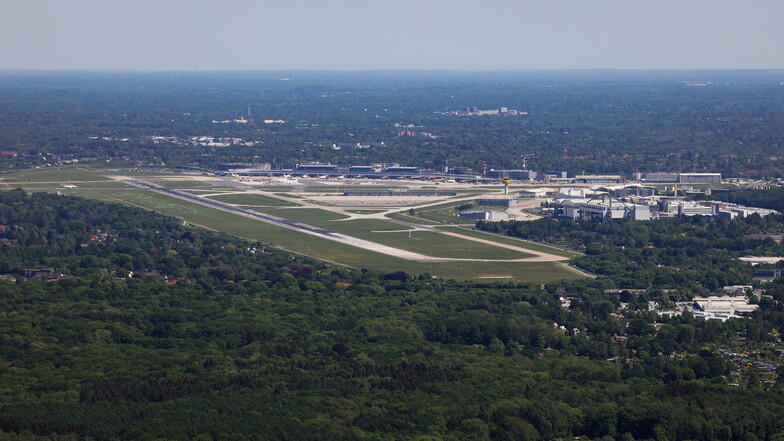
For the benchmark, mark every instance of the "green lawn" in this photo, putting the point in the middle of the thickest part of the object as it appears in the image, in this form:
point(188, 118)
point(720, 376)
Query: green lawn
point(362, 225)
point(177, 183)
point(55, 175)
point(404, 216)
point(306, 215)
point(441, 245)
point(326, 249)
point(442, 215)
point(511, 241)
point(252, 199)
point(329, 220)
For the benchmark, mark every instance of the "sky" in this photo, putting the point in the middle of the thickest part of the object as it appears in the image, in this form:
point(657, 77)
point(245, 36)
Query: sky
point(390, 34)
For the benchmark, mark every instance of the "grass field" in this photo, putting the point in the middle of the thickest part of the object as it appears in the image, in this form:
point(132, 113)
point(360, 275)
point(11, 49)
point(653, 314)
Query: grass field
point(252, 199)
point(434, 214)
point(336, 252)
point(439, 245)
point(442, 215)
point(511, 241)
point(306, 215)
point(404, 216)
point(56, 175)
point(56, 186)
point(177, 183)
point(329, 220)
point(362, 225)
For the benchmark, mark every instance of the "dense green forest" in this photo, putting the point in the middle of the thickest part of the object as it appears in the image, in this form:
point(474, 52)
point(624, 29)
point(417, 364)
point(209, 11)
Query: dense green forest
point(581, 121)
point(772, 198)
point(236, 340)
point(697, 254)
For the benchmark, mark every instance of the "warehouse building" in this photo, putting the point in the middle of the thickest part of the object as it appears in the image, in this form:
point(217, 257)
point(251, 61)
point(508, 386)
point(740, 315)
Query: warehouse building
point(721, 308)
point(683, 178)
point(602, 210)
point(598, 179)
point(364, 169)
point(484, 215)
point(316, 167)
point(499, 200)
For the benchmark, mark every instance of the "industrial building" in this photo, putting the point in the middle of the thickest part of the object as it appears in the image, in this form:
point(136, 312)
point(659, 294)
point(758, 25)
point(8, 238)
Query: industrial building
point(364, 169)
point(680, 208)
point(234, 166)
point(635, 190)
point(499, 200)
point(767, 275)
point(459, 171)
point(484, 215)
point(577, 193)
point(555, 175)
point(518, 175)
point(403, 171)
point(536, 193)
point(682, 178)
point(739, 211)
point(316, 167)
point(761, 260)
point(721, 308)
point(601, 209)
point(598, 179)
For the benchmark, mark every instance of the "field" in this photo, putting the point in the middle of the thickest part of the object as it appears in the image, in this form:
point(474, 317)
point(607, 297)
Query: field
point(252, 199)
point(331, 221)
point(354, 221)
point(56, 175)
point(437, 245)
point(511, 241)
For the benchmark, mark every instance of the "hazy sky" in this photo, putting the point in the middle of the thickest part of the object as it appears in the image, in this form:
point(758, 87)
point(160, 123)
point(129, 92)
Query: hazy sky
point(390, 34)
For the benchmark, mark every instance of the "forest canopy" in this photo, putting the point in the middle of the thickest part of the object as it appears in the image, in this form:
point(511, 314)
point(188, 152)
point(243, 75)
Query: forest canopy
point(235, 340)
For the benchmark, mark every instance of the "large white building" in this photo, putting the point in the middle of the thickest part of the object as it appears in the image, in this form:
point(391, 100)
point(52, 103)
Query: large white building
point(683, 178)
point(721, 308)
point(600, 209)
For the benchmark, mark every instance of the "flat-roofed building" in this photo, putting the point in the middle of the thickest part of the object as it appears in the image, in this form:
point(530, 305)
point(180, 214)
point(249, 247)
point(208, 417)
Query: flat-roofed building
point(316, 167)
point(401, 171)
point(598, 179)
point(500, 200)
point(599, 210)
point(722, 308)
point(519, 175)
point(683, 178)
point(536, 193)
point(699, 178)
point(661, 177)
point(484, 215)
point(634, 191)
point(364, 169)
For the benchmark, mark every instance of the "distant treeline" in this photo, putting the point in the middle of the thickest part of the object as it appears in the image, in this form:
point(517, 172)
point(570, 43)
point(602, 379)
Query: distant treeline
point(581, 122)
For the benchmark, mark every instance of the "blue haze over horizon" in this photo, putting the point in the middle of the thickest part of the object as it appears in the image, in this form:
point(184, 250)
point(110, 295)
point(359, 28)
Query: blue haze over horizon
point(407, 34)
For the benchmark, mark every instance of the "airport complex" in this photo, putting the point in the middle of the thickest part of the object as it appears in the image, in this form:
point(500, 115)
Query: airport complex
point(643, 196)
